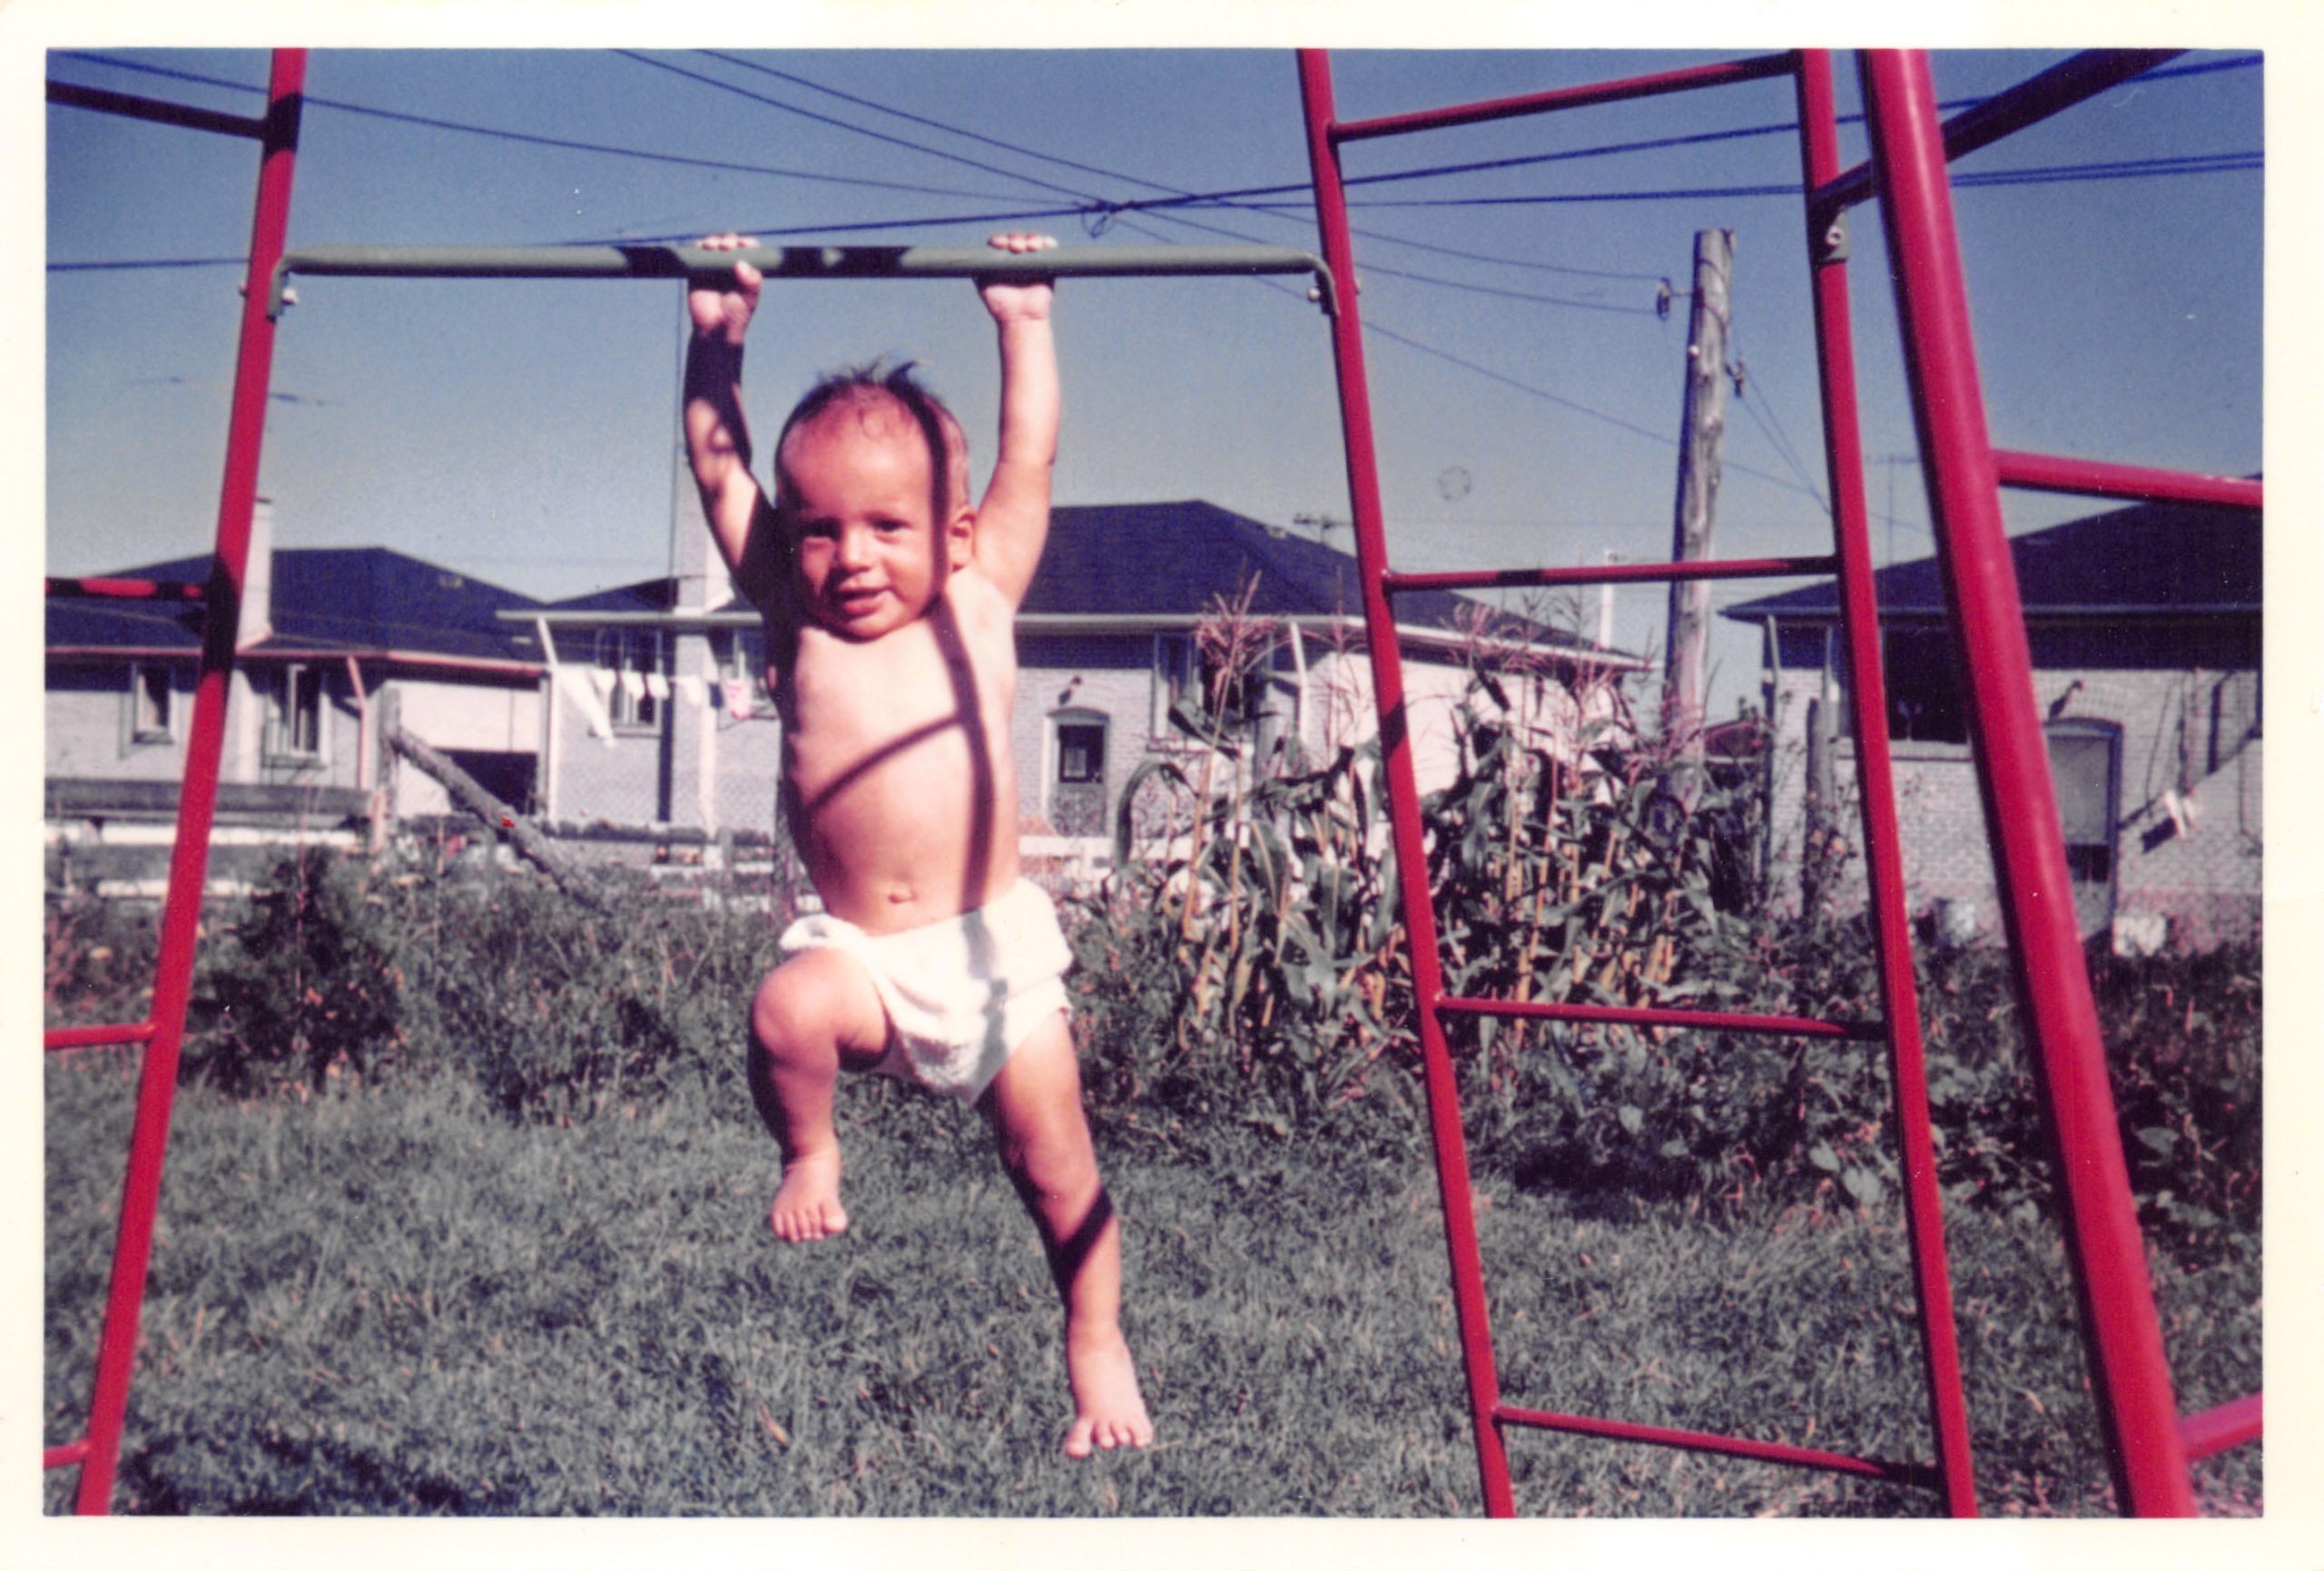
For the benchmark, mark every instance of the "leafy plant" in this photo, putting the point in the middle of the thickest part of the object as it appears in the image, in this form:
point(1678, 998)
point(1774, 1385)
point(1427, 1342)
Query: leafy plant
point(302, 985)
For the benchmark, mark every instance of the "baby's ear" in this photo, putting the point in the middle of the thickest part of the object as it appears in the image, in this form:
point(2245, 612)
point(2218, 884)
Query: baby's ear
point(960, 537)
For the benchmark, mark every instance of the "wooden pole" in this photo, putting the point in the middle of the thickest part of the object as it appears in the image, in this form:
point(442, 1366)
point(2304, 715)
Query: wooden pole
point(498, 817)
point(1703, 426)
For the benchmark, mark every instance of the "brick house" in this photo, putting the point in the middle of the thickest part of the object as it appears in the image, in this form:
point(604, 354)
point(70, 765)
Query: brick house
point(2144, 625)
point(660, 715)
point(329, 642)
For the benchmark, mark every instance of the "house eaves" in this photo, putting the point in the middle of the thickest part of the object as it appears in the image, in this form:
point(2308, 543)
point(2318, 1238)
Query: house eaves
point(1445, 640)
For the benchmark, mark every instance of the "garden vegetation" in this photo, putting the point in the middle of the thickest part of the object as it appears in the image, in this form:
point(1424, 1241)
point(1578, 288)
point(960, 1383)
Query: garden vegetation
point(465, 1204)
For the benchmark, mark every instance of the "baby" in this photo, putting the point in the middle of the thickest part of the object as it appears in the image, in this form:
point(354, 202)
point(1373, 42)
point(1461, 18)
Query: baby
point(890, 603)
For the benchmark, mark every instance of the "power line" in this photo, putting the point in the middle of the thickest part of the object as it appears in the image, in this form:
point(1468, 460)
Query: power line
point(846, 125)
point(568, 143)
point(938, 124)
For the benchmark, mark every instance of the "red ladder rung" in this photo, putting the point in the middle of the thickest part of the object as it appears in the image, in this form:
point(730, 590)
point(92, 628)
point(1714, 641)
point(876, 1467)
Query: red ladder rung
point(1683, 1019)
point(1611, 572)
point(64, 1038)
point(65, 1455)
point(2089, 478)
point(1686, 81)
point(121, 589)
point(1914, 1473)
point(2219, 1429)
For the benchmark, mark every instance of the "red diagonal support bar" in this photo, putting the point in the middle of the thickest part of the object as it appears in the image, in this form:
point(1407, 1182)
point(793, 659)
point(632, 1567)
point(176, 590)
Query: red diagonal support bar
point(70, 1455)
point(74, 96)
point(2060, 87)
point(1724, 1445)
point(2128, 1374)
point(1660, 82)
point(1613, 573)
point(2089, 477)
point(1679, 1019)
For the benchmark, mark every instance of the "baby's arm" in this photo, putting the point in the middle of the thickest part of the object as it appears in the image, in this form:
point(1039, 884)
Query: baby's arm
point(1013, 521)
point(718, 437)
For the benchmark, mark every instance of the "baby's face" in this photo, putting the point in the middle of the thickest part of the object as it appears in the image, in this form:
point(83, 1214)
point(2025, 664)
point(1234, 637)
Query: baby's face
point(854, 499)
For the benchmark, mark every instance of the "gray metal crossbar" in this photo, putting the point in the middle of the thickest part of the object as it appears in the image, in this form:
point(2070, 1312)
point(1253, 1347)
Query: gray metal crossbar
point(665, 261)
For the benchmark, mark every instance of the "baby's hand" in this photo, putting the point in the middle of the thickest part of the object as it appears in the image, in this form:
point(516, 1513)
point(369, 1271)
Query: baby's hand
point(1019, 297)
point(725, 309)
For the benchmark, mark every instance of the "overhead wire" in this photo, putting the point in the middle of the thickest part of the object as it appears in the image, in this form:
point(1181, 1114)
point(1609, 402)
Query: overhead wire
point(848, 125)
point(503, 133)
point(1237, 198)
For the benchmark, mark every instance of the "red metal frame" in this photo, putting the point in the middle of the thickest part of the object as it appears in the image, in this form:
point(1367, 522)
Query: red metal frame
point(98, 1451)
point(2131, 1378)
point(2147, 1444)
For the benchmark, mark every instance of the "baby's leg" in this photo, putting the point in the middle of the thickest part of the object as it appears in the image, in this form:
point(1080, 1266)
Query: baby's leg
point(812, 1015)
point(1035, 1109)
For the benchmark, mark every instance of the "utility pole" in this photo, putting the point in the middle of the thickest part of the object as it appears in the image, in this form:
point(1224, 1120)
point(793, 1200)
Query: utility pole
point(1703, 426)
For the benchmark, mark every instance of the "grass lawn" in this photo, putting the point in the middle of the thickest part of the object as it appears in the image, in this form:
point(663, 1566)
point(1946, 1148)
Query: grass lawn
point(397, 1302)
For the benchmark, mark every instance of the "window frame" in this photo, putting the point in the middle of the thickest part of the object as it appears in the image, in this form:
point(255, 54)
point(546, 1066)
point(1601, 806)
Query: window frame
point(137, 728)
point(1079, 720)
point(297, 714)
point(2109, 734)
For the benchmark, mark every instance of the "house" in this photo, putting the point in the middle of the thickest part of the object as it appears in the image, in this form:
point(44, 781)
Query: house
point(659, 715)
point(330, 641)
point(2144, 625)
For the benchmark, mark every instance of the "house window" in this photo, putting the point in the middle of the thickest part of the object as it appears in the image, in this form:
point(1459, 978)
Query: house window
point(295, 711)
point(634, 657)
point(152, 705)
point(1925, 697)
point(2086, 766)
point(1076, 801)
point(1176, 673)
point(1080, 753)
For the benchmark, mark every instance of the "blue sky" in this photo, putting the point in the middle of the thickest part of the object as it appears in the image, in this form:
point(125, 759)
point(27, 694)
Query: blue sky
point(1526, 390)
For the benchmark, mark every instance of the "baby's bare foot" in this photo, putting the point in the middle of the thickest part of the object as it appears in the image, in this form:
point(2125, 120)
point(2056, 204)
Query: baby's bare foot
point(1108, 1411)
point(807, 1204)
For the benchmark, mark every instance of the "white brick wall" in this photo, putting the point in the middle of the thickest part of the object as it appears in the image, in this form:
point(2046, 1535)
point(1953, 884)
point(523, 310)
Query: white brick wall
point(2206, 881)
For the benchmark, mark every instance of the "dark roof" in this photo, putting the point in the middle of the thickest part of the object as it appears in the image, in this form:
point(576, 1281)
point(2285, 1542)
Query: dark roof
point(1181, 558)
point(340, 601)
point(2156, 559)
point(1167, 559)
point(648, 595)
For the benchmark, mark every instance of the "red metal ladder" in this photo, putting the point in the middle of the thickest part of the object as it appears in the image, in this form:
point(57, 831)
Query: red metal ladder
point(162, 1032)
point(2147, 1447)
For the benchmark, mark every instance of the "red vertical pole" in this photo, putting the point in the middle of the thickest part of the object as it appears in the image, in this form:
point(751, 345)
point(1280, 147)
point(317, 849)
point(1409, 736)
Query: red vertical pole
point(2119, 1329)
point(197, 800)
point(1403, 794)
point(1860, 628)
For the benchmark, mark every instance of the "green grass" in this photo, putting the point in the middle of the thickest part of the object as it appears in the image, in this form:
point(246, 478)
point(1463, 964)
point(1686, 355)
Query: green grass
point(396, 1301)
